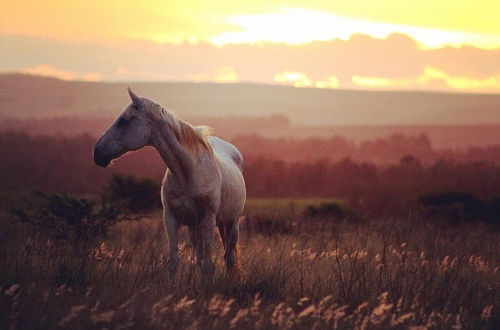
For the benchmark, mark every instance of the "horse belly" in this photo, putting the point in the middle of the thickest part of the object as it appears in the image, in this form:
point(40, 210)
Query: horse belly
point(190, 212)
point(233, 195)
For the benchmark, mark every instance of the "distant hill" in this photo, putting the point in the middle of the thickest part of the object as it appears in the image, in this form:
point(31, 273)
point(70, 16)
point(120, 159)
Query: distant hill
point(25, 96)
point(49, 106)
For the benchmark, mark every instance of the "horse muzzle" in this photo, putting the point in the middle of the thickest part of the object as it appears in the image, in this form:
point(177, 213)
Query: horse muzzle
point(100, 159)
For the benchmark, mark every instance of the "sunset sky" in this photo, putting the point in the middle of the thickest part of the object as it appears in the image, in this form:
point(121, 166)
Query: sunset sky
point(388, 44)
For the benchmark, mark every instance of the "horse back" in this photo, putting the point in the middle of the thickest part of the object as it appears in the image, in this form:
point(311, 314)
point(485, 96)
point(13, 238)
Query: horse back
point(232, 192)
point(224, 149)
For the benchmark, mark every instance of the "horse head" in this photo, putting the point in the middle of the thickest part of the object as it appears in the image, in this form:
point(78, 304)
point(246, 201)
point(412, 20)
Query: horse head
point(130, 131)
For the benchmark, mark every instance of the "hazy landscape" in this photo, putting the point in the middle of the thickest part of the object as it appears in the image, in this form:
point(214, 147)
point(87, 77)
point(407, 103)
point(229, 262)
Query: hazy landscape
point(353, 183)
point(365, 210)
point(452, 120)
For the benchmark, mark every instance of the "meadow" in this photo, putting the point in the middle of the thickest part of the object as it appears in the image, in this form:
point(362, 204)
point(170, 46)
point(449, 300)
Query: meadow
point(324, 271)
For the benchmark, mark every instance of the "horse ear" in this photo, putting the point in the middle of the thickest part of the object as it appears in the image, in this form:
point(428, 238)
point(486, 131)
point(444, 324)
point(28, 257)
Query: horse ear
point(136, 99)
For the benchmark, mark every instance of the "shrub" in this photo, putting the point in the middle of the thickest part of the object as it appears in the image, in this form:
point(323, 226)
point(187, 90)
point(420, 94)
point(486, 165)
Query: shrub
point(325, 210)
point(78, 221)
point(461, 206)
point(448, 198)
point(138, 194)
point(269, 225)
point(493, 211)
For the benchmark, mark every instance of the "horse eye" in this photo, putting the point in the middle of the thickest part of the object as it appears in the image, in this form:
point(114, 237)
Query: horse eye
point(122, 122)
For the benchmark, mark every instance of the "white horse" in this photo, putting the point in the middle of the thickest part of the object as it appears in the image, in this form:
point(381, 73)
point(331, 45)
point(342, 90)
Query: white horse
point(203, 186)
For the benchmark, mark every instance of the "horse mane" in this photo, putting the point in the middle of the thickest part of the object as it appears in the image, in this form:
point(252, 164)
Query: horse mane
point(189, 136)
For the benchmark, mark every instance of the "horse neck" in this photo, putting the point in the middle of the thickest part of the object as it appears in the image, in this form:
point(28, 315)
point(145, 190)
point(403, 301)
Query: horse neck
point(189, 167)
point(179, 161)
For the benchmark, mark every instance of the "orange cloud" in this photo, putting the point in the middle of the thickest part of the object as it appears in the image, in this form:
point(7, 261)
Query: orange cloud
point(465, 61)
point(50, 71)
point(378, 82)
point(226, 74)
point(299, 79)
point(395, 62)
point(93, 76)
point(294, 78)
point(436, 78)
point(331, 82)
point(123, 73)
point(294, 25)
point(432, 23)
point(460, 82)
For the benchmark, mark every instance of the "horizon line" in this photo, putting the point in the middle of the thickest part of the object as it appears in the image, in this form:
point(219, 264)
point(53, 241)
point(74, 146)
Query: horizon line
point(263, 84)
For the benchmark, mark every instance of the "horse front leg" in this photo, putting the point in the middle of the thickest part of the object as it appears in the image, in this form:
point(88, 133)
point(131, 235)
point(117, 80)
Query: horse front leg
point(196, 238)
point(172, 228)
point(207, 227)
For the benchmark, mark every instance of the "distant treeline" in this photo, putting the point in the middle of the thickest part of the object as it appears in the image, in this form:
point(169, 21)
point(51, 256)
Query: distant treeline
point(251, 136)
point(388, 150)
point(340, 141)
point(64, 164)
point(226, 126)
point(382, 151)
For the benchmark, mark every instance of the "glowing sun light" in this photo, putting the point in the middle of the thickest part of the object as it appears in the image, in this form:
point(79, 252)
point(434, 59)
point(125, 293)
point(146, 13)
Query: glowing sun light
point(298, 26)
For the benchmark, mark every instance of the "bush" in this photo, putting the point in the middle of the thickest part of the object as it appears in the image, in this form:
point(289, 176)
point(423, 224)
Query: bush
point(324, 210)
point(138, 194)
point(269, 225)
point(461, 206)
point(78, 221)
point(493, 211)
point(448, 198)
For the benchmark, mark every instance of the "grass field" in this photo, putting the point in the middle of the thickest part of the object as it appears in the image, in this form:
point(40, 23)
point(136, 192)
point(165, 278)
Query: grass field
point(326, 273)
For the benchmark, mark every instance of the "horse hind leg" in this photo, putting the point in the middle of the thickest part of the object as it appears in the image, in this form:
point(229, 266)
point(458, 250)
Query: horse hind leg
point(229, 233)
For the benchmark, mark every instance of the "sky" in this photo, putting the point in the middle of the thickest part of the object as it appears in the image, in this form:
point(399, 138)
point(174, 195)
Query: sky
point(387, 44)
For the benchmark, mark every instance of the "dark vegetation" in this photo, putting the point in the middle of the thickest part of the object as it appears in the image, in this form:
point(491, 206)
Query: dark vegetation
point(461, 206)
point(77, 221)
point(378, 151)
point(63, 164)
point(327, 210)
point(137, 194)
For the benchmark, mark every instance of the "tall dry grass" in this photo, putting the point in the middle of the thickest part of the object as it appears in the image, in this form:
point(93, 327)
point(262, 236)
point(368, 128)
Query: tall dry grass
point(390, 273)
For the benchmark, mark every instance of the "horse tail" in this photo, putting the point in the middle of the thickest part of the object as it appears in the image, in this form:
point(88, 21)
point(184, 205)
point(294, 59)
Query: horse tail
point(237, 264)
